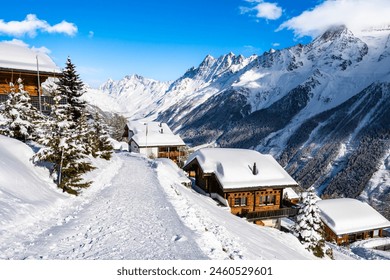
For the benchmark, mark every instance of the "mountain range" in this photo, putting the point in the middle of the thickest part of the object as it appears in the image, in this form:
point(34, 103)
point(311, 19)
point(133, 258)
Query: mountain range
point(322, 109)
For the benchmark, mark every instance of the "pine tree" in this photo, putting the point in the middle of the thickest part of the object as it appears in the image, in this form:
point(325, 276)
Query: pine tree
point(71, 86)
point(309, 227)
point(63, 150)
point(85, 133)
point(19, 117)
point(101, 146)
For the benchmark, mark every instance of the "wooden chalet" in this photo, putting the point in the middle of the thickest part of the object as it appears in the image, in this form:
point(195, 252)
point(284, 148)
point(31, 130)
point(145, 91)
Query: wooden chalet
point(154, 139)
point(34, 68)
point(348, 220)
point(250, 183)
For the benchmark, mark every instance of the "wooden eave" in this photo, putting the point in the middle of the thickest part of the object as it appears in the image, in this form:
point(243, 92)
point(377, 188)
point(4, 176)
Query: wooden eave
point(29, 72)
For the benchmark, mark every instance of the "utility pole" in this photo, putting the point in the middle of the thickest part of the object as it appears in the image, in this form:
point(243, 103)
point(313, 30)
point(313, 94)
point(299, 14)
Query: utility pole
point(39, 87)
point(60, 167)
point(146, 139)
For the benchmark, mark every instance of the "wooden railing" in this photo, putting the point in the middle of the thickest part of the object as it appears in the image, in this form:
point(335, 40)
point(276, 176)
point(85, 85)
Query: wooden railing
point(46, 101)
point(271, 214)
point(174, 154)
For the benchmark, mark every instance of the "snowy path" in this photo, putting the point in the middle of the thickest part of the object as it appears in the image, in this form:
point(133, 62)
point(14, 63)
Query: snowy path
point(129, 219)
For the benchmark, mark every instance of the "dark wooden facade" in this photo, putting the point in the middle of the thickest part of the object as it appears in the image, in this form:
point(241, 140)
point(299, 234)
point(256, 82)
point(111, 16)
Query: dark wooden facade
point(348, 238)
point(256, 203)
point(29, 78)
point(30, 84)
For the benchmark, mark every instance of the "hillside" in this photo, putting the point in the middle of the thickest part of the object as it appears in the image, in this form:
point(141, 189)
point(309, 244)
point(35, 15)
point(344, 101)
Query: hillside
point(321, 109)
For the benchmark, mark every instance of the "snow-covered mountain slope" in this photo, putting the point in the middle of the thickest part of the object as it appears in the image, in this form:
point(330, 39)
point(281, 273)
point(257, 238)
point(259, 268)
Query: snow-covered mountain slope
point(321, 109)
point(133, 96)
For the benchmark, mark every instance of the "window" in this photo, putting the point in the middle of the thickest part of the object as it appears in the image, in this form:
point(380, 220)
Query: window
point(262, 200)
point(267, 199)
point(272, 199)
point(241, 201)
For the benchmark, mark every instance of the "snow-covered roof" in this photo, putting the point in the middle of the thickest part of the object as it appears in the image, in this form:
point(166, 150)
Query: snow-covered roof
point(13, 56)
point(233, 168)
point(153, 134)
point(291, 194)
point(347, 215)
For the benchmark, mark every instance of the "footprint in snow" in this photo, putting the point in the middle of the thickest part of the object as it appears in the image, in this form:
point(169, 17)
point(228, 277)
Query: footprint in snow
point(178, 238)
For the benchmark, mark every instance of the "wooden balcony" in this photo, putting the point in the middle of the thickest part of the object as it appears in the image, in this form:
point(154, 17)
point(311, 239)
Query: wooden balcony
point(46, 102)
point(171, 155)
point(272, 214)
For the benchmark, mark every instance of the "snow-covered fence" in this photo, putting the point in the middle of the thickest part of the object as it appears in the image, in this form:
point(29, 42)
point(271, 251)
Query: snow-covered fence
point(385, 247)
point(46, 102)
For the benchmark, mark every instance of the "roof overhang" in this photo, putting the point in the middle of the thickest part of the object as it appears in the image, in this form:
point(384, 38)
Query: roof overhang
point(29, 72)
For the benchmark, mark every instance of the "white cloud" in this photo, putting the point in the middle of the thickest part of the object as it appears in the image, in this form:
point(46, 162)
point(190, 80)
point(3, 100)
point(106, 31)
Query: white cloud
point(31, 25)
point(276, 44)
point(266, 10)
point(63, 27)
point(91, 34)
point(357, 15)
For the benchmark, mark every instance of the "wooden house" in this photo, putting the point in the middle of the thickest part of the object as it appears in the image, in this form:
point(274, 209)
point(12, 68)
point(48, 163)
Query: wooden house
point(154, 139)
point(34, 68)
point(250, 183)
point(347, 220)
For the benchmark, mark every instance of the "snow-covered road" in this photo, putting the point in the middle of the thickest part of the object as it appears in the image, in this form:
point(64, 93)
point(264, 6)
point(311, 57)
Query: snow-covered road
point(129, 218)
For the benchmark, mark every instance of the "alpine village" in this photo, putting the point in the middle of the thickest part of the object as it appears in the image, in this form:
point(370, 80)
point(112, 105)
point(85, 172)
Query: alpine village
point(268, 171)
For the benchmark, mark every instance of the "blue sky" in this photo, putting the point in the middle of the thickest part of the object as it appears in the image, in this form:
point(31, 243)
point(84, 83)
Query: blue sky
point(158, 39)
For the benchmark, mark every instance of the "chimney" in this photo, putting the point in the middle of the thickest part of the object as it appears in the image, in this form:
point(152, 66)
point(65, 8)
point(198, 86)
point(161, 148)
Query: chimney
point(254, 169)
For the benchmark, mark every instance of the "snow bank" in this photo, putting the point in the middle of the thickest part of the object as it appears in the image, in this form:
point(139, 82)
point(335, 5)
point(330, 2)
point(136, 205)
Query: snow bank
point(26, 191)
point(119, 146)
point(179, 173)
point(369, 249)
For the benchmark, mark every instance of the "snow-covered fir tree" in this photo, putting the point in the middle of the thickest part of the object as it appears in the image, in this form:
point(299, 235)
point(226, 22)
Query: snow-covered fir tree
point(19, 117)
point(71, 86)
point(308, 227)
point(63, 149)
point(101, 146)
point(85, 132)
